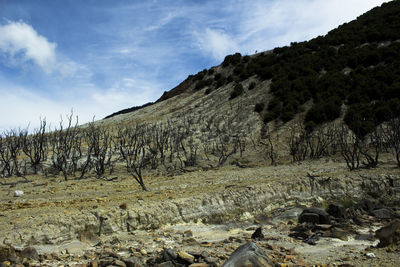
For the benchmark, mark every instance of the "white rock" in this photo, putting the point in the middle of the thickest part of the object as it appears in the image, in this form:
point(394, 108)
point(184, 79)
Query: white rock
point(18, 193)
point(370, 255)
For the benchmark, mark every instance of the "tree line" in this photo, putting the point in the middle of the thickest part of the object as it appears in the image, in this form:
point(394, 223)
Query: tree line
point(76, 152)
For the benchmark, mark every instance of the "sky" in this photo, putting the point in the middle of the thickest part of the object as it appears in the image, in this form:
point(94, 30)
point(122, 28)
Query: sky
point(96, 57)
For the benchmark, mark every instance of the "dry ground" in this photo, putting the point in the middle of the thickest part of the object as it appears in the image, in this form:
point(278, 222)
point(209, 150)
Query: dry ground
point(50, 197)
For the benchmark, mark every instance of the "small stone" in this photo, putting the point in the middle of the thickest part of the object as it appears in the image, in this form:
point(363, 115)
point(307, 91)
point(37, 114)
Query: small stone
point(188, 233)
point(18, 193)
point(6, 263)
point(190, 241)
point(119, 263)
point(370, 255)
point(186, 256)
point(201, 264)
point(143, 252)
point(94, 263)
point(205, 244)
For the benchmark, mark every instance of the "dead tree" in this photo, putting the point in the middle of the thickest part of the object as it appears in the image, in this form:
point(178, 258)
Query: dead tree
point(35, 146)
point(224, 147)
point(371, 148)
point(298, 142)
point(99, 150)
point(266, 141)
point(391, 133)
point(10, 150)
point(131, 143)
point(350, 147)
point(320, 140)
point(6, 161)
point(66, 147)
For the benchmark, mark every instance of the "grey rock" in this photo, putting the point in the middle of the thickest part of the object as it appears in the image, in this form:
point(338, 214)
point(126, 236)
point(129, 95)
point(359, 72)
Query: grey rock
point(30, 253)
point(388, 234)
point(336, 210)
point(383, 213)
point(248, 254)
point(323, 216)
point(309, 218)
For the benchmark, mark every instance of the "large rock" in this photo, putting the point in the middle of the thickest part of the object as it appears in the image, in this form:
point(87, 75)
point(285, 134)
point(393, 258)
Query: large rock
point(336, 210)
point(248, 255)
point(389, 234)
point(383, 213)
point(307, 216)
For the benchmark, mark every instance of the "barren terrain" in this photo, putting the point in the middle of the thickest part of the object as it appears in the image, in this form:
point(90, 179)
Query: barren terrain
point(217, 209)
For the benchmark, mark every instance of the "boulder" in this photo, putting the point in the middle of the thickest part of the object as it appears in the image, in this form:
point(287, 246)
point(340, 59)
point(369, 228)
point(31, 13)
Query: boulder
point(366, 205)
point(383, 213)
point(29, 253)
point(248, 254)
point(257, 234)
point(307, 216)
point(336, 210)
point(389, 234)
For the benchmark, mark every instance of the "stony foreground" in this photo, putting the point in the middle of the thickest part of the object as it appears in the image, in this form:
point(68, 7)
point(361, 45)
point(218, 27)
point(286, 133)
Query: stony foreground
point(195, 217)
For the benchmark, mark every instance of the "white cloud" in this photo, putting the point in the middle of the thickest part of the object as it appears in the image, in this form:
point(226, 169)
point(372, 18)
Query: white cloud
point(20, 39)
point(216, 43)
point(21, 44)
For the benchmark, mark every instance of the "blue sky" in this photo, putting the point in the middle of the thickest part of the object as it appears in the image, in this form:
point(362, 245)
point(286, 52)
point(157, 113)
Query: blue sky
point(98, 57)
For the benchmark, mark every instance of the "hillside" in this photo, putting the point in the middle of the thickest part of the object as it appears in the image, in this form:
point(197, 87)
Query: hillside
point(355, 65)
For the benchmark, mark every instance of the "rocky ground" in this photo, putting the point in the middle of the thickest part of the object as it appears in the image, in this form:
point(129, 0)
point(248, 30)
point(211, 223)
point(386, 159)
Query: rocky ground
point(197, 217)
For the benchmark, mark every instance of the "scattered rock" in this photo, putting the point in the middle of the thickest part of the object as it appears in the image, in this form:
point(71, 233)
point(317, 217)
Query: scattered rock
point(257, 234)
point(7, 254)
point(248, 254)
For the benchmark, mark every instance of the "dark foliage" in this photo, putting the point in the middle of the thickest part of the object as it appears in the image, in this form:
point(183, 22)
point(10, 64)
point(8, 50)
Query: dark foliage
point(356, 64)
point(237, 91)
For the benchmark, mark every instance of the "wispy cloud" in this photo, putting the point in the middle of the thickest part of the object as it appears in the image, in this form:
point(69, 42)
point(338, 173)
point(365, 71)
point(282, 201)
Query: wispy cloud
point(216, 43)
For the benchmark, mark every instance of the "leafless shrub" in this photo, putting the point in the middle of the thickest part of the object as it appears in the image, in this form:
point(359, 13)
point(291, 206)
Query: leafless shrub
point(35, 146)
point(66, 145)
point(350, 147)
point(131, 143)
point(391, 136)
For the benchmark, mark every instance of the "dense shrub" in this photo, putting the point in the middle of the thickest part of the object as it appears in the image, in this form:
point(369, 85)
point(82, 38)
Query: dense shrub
point(237, 91)
point(259, 107)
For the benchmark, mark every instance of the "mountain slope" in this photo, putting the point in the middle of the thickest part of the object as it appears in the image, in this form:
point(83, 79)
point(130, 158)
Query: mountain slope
point(356, 65)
